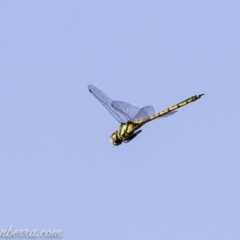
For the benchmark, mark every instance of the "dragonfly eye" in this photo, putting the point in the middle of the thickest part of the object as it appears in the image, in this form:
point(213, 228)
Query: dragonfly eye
point(115, 140)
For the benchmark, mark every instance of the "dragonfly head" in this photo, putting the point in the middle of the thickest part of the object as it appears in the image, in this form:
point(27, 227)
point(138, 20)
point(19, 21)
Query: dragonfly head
point(115, 139)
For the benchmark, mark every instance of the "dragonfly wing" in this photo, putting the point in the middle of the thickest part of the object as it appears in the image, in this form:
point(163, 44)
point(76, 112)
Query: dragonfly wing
point(169, 114)
point(126, 109)
point(107, 103)
point(144, 113)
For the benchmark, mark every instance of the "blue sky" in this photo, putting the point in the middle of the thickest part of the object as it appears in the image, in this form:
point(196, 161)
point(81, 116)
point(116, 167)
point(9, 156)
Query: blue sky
point(179, 179)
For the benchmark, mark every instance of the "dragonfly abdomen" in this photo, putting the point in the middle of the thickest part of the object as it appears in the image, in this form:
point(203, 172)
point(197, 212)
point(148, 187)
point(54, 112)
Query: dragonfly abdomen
point(174, 107)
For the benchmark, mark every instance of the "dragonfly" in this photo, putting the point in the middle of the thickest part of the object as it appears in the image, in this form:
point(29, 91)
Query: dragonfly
point(132, 118)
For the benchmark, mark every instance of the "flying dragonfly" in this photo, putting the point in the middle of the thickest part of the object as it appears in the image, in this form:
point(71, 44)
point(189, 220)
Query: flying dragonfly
point(132, 118)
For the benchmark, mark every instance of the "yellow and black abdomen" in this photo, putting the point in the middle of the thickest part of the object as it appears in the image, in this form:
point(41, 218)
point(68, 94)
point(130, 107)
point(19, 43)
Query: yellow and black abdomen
point(173, 108)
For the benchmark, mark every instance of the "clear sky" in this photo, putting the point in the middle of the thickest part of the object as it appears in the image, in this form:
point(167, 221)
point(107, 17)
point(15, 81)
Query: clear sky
point(178, 179)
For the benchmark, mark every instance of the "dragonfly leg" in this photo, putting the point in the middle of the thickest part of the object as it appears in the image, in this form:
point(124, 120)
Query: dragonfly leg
point(130, 138)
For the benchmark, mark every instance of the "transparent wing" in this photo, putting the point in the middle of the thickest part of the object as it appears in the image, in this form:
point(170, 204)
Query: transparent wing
point(131, 112)
point(144, 113)
point(106, 102)
point(169, 114)
point(126, 109)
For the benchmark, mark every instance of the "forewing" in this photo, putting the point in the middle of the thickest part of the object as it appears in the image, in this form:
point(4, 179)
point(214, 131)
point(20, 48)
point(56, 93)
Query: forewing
point(106, 102)
point(144, 113)
point(126, 109)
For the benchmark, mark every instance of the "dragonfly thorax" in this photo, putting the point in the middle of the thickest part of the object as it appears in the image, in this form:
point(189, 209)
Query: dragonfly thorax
point(124, 134)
